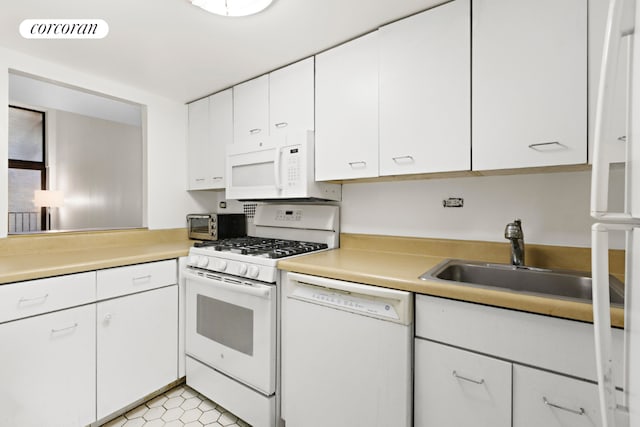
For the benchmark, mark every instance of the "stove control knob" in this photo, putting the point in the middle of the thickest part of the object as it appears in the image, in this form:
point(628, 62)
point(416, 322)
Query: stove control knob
point(222, 266)
point(193, 260)
point(203, 261)
point(253, 271)
point(242, 269)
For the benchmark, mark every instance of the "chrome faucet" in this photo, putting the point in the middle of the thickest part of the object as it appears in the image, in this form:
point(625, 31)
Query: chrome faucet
point(513, 232)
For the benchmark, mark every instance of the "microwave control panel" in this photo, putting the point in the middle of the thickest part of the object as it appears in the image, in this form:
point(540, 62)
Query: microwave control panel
point(292, 158)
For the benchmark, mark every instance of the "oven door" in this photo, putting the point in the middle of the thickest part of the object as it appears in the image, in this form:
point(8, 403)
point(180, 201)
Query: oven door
point(231, 326)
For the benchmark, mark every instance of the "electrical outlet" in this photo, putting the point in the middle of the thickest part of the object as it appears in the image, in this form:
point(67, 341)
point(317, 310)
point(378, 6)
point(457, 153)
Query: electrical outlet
point(453, 202)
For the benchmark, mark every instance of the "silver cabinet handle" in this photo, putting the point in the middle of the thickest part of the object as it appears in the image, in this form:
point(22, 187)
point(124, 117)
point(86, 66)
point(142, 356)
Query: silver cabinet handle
point(581, 411)
point(254, 131)
point(397, 159)
point(281, 125)
point(42, 298)
point(107, 318)
point(68, 328)
point(217, 178)
point(361, 164)
point(460, 377)
point(199, 179)
point(622, 138)
point(141, 278)
point(538, 145)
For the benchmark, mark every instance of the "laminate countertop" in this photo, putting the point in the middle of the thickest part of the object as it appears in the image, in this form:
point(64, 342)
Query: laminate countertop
point(38, 256)
point(397, 263)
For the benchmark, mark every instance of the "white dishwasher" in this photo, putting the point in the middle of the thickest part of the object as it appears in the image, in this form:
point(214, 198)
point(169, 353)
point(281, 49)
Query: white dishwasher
point(346, 354)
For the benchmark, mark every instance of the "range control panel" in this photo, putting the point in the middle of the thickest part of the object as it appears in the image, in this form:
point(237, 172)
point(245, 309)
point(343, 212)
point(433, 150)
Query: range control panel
point(289, 215)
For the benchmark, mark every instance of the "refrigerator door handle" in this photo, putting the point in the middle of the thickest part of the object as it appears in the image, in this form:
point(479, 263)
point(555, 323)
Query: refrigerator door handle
point(609, 409)
point(619, 25)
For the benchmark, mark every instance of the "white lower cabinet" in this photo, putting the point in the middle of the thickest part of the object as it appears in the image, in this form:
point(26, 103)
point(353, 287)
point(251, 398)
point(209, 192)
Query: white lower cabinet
point(137, 347)
point(47, 369)
point(545, 399)
point(459, 388)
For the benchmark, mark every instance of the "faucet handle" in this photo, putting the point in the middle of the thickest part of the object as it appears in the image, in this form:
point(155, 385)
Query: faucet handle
point(513, 230)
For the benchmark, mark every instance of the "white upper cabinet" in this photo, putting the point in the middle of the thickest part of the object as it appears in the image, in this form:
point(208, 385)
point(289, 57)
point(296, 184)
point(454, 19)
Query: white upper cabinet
point(615, 142)
point(425, 92)
point(198, 144)
point(251, 109)
point(210, 130)
point(347, 110)
point(291, 97)
point(221, 131)
point(529, 74)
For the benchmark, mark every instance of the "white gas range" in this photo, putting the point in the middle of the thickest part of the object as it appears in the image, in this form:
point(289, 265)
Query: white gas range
point(232, 309)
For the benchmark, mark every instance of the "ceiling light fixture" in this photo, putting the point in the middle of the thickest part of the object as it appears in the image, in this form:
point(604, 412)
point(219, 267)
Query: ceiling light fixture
point(232, 7)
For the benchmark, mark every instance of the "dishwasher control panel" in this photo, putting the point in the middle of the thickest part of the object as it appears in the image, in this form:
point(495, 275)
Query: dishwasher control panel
point(362, 304)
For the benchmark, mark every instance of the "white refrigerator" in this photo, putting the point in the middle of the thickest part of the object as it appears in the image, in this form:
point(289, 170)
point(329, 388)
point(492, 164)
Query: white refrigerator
point(619, 408)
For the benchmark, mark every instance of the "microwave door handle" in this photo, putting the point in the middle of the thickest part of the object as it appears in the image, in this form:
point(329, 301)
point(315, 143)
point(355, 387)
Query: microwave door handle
point(276, 169)
point(616, 28)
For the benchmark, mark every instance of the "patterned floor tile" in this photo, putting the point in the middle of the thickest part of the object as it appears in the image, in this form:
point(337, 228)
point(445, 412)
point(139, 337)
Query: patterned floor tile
point(179, 407)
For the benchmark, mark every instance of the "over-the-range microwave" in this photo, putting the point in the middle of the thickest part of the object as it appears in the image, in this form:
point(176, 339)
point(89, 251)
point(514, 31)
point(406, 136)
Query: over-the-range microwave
point(276, 167)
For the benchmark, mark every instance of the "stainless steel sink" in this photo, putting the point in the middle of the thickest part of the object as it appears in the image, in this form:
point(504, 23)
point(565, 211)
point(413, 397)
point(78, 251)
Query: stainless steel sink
point(563, 284)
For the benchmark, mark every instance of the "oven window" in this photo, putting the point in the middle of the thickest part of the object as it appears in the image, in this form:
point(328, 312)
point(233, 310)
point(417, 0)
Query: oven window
point(200, 225)
point(227, 324)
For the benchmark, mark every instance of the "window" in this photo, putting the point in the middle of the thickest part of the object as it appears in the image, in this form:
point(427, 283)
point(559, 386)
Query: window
point(27, 170)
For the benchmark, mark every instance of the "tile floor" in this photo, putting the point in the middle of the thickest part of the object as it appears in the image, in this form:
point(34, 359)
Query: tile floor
point(178, 407)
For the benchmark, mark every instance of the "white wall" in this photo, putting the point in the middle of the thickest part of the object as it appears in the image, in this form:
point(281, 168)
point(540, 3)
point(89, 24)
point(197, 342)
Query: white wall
point(167, 202)
point(554, 208)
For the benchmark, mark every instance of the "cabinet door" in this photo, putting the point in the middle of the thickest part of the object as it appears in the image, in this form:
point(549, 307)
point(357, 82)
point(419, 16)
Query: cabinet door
point(458, 388)
point(544, 399)
point(221, 134)
point(425, 92)
point(137, 342)
point(198, 144)
point(291, 97)
point(616, 142)
point(48, 370)
point(347, 110)
point(251, 109)
point(529, 73)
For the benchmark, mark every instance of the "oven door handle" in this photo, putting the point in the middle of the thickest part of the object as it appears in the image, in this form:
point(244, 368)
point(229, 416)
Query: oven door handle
point(261, 291)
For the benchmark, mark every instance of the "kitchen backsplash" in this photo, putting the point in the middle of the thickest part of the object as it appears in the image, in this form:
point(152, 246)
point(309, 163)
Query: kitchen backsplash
point(554, 207)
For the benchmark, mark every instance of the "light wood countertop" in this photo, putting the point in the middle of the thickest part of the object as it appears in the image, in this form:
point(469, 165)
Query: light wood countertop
point(37, 256)
point(362, 259)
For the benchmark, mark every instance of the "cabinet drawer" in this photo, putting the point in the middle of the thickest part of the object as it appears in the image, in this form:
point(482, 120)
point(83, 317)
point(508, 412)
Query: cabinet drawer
point(545, 342)
point(118, 281)
point(544, 399)
point(23, 299)
point(459, 388)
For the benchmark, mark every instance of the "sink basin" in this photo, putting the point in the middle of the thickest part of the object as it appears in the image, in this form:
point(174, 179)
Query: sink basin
point(563, 284)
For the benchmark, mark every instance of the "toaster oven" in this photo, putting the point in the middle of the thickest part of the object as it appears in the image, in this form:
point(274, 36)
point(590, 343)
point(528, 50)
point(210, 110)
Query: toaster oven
point(212, 226)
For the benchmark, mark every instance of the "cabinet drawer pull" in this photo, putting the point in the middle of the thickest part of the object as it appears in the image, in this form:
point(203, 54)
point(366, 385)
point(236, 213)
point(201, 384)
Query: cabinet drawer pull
point(553, 405)
point(141, 279)
point(281, 125)
point(548, 146)
point(360, 164)
point(42, 298)
point(254, 131)
point(460, 377)
point(622, 138)
point(217, 178)
point(68, 328)
point(400, 158)
point(199, 179)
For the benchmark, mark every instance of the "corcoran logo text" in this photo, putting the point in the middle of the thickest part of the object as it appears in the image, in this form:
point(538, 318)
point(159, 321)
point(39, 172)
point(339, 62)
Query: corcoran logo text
point(64, 29)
